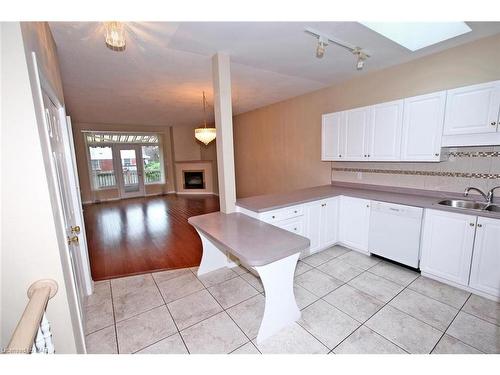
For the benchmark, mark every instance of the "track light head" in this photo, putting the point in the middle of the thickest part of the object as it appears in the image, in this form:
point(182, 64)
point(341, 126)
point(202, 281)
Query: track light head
point(320, 49)
point(361, 58)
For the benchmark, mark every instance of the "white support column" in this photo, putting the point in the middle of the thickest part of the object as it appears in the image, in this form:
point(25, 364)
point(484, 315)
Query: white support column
point(221, 74)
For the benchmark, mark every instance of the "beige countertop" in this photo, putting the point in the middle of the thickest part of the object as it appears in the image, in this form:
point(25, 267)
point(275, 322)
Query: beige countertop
point(404, 196)
point(254, 242)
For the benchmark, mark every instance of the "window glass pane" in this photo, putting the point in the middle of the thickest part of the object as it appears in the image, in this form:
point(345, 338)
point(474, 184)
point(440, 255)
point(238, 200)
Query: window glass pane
point(153, 171)
point(101, 161)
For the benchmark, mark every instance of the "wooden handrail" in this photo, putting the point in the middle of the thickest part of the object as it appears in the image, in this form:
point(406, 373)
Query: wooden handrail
point(26, 330)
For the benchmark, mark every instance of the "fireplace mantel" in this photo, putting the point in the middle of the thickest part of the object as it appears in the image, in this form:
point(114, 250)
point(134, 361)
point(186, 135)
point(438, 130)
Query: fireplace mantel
point(190, 166)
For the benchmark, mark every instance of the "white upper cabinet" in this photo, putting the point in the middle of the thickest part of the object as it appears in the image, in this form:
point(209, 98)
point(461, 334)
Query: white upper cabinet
point(472, 109)
point(332, 135)
point(485, 271)
point(423, 127)
point(447, 241)
point(354, 215)
point(357, 122)
point(384, 132)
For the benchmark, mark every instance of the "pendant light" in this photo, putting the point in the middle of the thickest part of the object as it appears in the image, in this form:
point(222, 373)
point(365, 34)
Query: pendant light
point(115, 35)
point(204, 134)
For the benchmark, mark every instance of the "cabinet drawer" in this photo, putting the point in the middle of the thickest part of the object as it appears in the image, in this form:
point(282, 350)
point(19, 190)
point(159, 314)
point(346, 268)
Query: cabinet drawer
point(282, 214)
point(294, 225)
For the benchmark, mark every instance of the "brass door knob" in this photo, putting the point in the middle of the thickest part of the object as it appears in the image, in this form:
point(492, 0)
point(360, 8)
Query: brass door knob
point(72, 240)
point(75, 229)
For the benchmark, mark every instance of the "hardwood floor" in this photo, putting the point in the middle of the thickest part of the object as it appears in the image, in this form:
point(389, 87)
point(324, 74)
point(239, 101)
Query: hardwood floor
point(139, 235)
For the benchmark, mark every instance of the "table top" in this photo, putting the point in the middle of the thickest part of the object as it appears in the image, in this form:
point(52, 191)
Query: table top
point(254, 242)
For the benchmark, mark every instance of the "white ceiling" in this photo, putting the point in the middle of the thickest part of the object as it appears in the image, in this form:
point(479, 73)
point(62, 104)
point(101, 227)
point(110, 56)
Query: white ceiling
point(159, 78)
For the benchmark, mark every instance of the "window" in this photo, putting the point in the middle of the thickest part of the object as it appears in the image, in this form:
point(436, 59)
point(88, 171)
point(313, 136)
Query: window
point(151, 157)
point(102, 145)
point(101, 161)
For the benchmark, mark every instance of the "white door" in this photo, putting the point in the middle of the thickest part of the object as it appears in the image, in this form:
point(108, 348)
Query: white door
point(447, 243)
point(423, 120)
point(329, 222)
point(56, 133)
point(130, 170)
point(313, 225)
point(384, 136)
point(485, 271)
point(356, 133)
point(332, 144)
point(472, 109)
point(354, 221)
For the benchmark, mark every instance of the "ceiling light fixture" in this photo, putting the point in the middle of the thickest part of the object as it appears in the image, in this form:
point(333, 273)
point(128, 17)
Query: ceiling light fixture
point(204, 134)
point(115, 35)
point(320, 49)
point(324, 40)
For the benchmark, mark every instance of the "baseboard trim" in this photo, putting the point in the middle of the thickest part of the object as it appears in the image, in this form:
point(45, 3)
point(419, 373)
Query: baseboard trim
point(194, 193)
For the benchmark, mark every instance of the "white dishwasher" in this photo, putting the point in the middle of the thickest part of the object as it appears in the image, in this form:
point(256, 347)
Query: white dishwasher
point(395, 232)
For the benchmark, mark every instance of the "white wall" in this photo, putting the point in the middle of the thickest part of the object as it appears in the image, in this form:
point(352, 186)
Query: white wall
point(29, 244)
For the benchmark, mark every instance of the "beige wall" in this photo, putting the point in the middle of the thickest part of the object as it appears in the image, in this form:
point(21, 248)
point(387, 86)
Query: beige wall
point(278, 147)
point(30, 249)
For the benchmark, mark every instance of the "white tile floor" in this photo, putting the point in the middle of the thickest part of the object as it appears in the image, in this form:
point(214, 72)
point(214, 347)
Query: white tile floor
point(350, 303)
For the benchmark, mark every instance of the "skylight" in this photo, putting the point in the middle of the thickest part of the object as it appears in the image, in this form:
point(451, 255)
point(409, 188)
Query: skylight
point(417, 35)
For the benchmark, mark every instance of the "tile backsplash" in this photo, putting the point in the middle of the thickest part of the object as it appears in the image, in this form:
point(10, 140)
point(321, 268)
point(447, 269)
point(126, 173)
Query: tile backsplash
point(463, 167)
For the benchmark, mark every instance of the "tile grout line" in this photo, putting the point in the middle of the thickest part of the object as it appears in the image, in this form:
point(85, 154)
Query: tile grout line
point(114, 318)
point(171, 317)
point(449, 325)
point(230, 317)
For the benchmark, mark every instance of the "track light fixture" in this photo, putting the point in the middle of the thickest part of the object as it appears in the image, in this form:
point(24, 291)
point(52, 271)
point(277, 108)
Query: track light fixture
point(320, 49)
point(324, 40)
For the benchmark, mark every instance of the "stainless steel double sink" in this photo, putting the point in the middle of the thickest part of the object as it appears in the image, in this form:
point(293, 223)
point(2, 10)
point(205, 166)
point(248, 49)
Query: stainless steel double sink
point(470, 205)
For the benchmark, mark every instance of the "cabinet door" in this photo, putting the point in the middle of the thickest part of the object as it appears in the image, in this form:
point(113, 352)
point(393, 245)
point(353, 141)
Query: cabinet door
point(386, 124)
point(472, 109)
point(423, 119)
point(332, 144)
point(447, 243)
point(485, 271)
point(354, 219)
point(313, 225)
point(357, 122)
point(329, 222)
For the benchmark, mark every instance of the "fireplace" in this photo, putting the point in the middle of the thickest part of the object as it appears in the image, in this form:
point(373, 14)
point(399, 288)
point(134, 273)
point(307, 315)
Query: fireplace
point(194, 180)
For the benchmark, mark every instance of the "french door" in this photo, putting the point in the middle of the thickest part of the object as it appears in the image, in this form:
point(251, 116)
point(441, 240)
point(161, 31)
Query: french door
point(130, 170)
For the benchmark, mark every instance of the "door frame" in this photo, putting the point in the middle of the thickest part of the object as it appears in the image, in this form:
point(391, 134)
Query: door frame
point(119, 168)
point(41, 85)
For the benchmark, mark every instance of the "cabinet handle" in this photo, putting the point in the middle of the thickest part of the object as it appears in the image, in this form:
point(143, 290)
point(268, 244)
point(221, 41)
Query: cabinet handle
point(493, 123)
point(367, 206)
point(436, 154)
point(471, 224)
point(323, 204)
point(479, 225)
point(295, 229)
point(340, 156)
point(295, 211)
point(274, 217)
point(368, 155)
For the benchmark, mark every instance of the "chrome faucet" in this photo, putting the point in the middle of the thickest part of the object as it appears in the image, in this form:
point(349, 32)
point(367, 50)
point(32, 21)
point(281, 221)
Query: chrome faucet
point(491, 193)
point(485, 196)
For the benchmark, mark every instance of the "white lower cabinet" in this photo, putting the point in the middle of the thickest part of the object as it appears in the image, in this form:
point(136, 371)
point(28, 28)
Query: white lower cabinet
point(354, 221)
point(447, 243)
point(485, 270)
point(322, 223)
